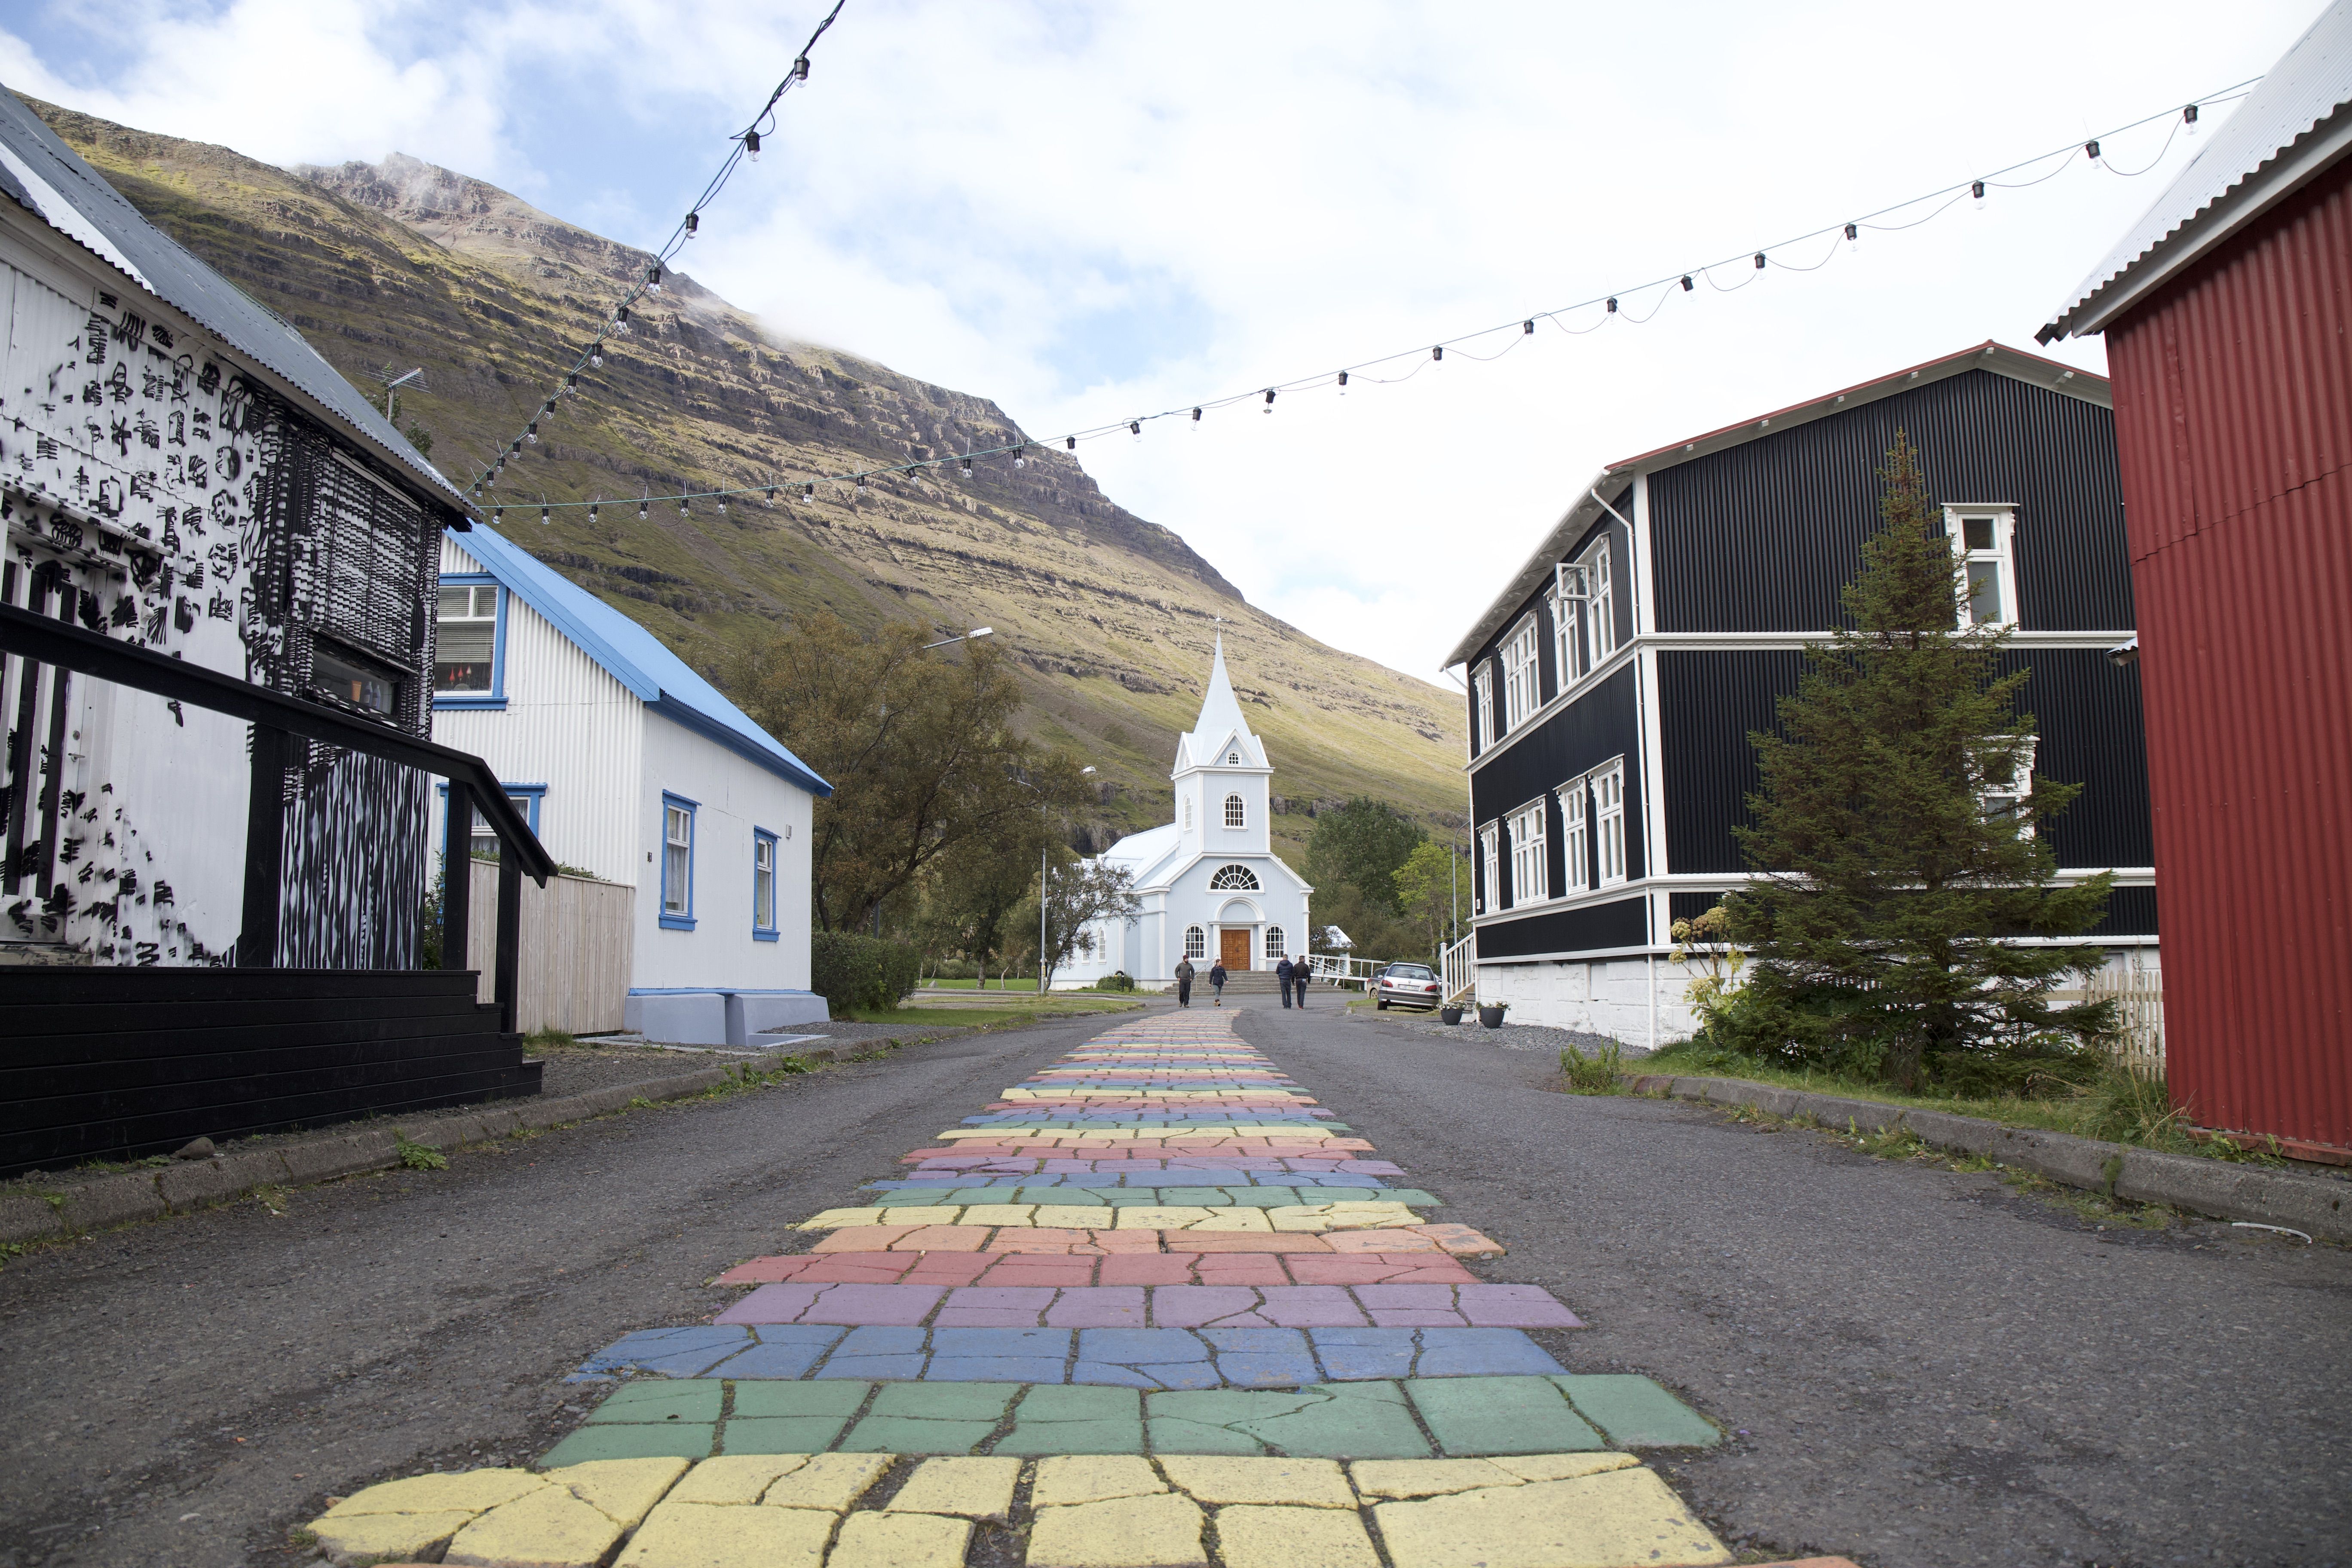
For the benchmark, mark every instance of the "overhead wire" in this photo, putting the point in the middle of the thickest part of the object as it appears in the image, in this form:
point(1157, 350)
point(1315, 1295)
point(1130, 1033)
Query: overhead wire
point(1755, 263)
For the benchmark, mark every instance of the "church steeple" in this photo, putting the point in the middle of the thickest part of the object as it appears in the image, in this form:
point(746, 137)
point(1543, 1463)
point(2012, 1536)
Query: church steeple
point(1221, 736)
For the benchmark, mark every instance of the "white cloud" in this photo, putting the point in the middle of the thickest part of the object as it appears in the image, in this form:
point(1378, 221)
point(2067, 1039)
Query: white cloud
point(1091, 212)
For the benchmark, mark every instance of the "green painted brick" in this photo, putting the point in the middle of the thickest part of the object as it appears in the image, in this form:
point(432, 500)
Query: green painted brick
point(781, 1433)
point(1333, 1420)
point(766, 1398)
point(1053, 1419)
point(946, 1401)
point(1636, 1413)
point(909, 1435)
point(684, 1440)
point(1470, 1416)
point(693, 1400)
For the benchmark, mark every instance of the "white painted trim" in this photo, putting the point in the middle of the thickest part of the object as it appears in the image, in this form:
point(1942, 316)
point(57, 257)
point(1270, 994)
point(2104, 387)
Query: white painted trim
point(1653, 751)
point(1643, 562)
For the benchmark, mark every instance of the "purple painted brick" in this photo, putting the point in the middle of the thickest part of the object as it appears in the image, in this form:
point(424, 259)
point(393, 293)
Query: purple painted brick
point(1508, 1307)
point(1309, 1307)
point(996, 1307)
point(864, 1305)
point(1097, 1307)
point(772, 1304)
point(1192, 1306)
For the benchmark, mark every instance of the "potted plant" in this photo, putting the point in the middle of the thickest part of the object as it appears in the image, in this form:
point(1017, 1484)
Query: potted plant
point(1450, 1013)
point(1491, 1014)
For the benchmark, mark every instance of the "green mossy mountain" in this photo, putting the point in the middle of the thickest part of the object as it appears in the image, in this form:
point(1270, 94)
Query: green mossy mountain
point(1108, 618)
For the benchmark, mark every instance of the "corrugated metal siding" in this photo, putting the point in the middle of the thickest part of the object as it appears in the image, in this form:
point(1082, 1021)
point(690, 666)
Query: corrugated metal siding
point(2234, 398)
point(1589, 731)
point(568, 725)
point(1760, 537)
point(1708, 703)
point(2086, 712)
point(1592, 928)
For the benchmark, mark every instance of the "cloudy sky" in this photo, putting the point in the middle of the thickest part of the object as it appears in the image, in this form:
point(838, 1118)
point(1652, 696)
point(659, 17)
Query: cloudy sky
point(1092, 211)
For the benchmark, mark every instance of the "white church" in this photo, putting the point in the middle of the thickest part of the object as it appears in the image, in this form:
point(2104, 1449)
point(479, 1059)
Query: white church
point(1209, 884)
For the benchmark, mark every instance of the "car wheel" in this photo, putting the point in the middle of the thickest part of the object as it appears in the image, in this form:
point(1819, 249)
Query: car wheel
point(1380, 1005)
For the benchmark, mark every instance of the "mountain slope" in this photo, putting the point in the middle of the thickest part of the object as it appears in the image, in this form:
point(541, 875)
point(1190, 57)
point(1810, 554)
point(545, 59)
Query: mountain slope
point(402, 264)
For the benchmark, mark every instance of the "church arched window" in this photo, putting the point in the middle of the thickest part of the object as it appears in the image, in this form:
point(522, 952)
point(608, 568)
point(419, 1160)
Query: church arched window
point(1273, 948)
point(1196, 942)
point(1232, 759)
point(1235, 880)
point(1188, 814)
point(1236, 814)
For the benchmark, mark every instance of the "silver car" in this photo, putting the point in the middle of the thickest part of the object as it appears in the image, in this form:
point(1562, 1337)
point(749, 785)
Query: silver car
point(1406, 985)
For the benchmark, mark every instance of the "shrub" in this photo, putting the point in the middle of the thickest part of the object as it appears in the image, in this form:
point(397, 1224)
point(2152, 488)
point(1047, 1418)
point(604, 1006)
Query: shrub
point(1118, 980)
point(861, 974)
point(1595, 1074)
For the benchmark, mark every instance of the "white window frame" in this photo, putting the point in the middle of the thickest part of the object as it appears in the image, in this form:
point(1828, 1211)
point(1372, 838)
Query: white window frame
point(1575, 851)
point(1522, 677)
point(1566, 637)
point(2000, 556)
point(678, 862)
point(2021, 787)
point(1188, 814)
point(1530, 875)
point(1609, 821)
point(1490, 861)
point(1236, 811)
point(1196, 942)
point(1600, 605)
point(1275, 946)
point(763, 885)
point(1481, 699)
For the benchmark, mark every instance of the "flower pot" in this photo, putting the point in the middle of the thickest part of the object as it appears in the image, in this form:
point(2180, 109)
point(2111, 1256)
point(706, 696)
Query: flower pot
point(1491, 1014)
point(1449, 1015)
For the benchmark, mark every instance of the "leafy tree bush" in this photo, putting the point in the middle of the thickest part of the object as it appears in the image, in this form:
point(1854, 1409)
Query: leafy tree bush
point(1119, 980)
point(857, 974)
point(1897, 861)
point(1363, 844)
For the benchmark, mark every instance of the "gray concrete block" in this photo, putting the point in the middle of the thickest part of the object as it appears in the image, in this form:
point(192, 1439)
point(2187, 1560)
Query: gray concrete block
point(112, 1200)
point(450, 1133)
point(30, 1219)
point(197, 1183)
point(347, 1155)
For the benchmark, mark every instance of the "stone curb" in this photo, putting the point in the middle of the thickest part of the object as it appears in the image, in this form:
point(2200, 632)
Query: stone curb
point(2313, 1205)
point(123, 1196)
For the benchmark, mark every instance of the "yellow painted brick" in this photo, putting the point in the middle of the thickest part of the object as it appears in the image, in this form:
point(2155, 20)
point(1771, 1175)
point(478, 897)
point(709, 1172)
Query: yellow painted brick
point(735, 1478)
point(1254, 1537)
point(388, 1537)
point(1301, 1220)
point(1308, 1483)
point(996, 1214)
point(829, 1219)
point(623, 1490)
point(1368, 1215)
point(546, 1529)
point(900, 1541)
point(1159, 1218)
point(972, 1488)
point(1428, 1478)
point(828, 1480)
point(1597, 1522)
point(1236, 1218)
point(1562, 1466)
point(1161, 1531)
point(709, 1535)
point(468, 1491)
point(1068, 1479)
point(1075, 1216)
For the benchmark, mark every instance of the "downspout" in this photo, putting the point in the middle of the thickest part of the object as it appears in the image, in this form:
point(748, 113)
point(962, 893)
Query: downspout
point(1642, 716)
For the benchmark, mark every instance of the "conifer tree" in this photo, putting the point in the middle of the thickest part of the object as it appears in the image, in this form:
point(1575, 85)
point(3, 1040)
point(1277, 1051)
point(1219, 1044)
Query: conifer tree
point(1896, 854)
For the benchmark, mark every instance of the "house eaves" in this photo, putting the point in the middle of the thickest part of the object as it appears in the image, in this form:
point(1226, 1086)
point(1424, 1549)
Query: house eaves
point(1588, 507)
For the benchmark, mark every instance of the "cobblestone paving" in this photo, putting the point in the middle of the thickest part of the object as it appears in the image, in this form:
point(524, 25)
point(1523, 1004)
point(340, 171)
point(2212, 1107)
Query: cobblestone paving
point(1154, 1306)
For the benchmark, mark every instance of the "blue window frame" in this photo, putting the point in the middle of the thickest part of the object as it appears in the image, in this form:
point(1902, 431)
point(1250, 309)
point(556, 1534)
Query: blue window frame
point(677, 861)
point(764, 860)
point(469, 650)
point(530, 798)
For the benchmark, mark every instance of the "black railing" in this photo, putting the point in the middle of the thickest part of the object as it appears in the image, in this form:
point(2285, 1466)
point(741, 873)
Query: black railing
point(40, 640)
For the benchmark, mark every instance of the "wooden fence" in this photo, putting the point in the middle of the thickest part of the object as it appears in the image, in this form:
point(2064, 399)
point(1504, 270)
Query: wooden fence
point(578, 943)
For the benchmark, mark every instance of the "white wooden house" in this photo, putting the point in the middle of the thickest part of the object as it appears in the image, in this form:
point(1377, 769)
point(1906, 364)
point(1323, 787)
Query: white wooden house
point(634, 769)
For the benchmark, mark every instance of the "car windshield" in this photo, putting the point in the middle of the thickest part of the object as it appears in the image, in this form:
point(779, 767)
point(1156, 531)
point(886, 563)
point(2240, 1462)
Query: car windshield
point(1411, 972)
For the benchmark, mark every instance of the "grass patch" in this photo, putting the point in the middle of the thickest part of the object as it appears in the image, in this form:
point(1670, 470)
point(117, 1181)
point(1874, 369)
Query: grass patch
point(1019, 1009)
point(554, 1040)
point(1596, 1073)
point(1029, 986)
point(2116, 1107)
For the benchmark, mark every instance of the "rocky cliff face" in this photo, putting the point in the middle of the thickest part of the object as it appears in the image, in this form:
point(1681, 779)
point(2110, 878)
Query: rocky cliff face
point(390, 266)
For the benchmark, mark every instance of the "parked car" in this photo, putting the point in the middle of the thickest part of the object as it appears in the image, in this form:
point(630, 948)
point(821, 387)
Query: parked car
point(1406, 985)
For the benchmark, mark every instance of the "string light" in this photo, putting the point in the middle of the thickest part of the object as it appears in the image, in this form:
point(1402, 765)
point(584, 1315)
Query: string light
point(772, 495)
point(531, 432)
point(642, 507)
point(752, 145)
point(2091, 149)
point(653, 279)
point(596, 357)
point(693, 224)
point(2188, 119)
point(1609, 304)
point(1976, 189)
point(592, 513)
point(542, 514)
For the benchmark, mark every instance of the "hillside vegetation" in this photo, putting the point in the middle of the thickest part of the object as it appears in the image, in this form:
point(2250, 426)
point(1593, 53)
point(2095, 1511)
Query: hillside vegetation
point(1109, 618)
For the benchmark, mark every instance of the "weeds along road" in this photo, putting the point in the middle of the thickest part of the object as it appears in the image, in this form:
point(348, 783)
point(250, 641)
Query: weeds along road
point(166, 1383)
point(1925, 1367)
point(1929, 1368)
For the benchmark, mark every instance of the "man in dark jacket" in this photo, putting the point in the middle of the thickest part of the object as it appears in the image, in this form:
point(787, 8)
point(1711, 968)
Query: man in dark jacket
point(1184, 972)
point(1300, 975)
point(1217, 981)
point(1281, 973)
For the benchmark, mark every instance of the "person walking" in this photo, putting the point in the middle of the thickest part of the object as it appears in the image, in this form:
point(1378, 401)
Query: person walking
point(1184, 972)
point(1217, 981)
point(1300, 975)
point(1281, 973)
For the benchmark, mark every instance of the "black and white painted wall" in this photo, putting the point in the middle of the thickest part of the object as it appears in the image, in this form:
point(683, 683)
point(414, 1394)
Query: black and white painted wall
point(1614, 682)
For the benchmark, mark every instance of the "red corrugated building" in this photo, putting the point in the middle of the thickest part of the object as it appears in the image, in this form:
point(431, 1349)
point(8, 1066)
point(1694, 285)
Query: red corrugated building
point(2226, 318)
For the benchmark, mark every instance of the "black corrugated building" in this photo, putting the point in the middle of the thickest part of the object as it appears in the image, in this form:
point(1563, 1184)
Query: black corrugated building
point(1614, 680)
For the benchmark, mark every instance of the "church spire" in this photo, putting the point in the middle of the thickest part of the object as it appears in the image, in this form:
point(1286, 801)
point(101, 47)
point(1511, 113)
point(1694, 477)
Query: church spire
point(1220, 730)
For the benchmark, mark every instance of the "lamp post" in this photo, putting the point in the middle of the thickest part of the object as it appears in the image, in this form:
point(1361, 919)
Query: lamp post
point(1044, 849)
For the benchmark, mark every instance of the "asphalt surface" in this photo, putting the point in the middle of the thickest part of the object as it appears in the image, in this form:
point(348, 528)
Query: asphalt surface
point(1925, 1367)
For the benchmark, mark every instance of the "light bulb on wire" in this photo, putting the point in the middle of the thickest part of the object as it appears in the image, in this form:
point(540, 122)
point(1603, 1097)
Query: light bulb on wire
point(2188, 119)
point(1976, 189)
point(752, 145)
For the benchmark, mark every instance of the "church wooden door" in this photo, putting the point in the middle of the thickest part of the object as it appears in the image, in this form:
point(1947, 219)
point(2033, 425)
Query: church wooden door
point(1234, 949)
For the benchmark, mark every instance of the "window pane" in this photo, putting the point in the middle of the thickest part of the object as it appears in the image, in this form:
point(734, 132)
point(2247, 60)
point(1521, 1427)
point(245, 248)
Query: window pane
point(454, 601)
point(1984, 591)
point(1977, 532)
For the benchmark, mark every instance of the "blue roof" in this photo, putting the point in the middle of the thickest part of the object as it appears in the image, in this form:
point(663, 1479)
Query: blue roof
point(42, 174)
point(632, 656)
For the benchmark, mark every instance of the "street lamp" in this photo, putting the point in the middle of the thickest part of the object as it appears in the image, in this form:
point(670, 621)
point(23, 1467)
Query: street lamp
point(972, 634)
point(1044, 849)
